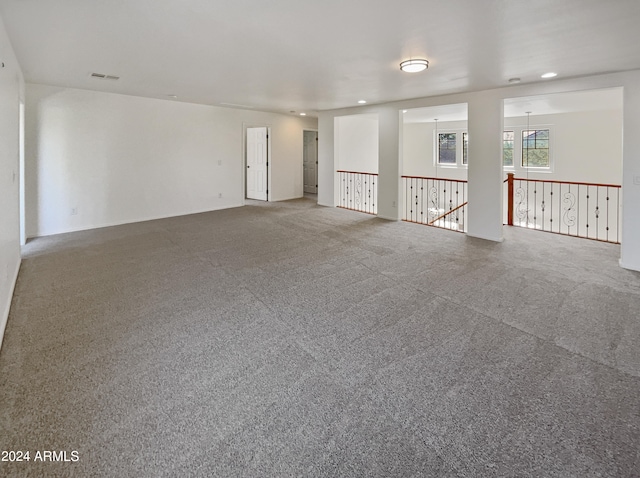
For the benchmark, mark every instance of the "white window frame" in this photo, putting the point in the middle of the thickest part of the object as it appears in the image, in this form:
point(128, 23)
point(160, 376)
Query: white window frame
point(459, 148)
point(517, 149)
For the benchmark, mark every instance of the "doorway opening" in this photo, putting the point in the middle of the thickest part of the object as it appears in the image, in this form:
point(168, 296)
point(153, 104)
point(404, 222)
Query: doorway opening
point(310, 162)
point(257, 163)
point(562, 162)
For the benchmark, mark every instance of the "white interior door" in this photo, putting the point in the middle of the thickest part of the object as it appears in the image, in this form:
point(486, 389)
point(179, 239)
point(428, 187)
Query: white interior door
point(257, 161)
point(310, 162)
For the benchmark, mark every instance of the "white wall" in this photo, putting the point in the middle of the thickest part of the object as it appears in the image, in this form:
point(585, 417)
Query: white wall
point(585, 147)
point(119, 159)
point(419, 150)
point(11, 91)
point(356, 143)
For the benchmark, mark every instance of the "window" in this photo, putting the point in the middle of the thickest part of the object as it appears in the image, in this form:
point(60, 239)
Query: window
point(447, 148)
point(508, 139)
point(465, 147)
point(535, 148)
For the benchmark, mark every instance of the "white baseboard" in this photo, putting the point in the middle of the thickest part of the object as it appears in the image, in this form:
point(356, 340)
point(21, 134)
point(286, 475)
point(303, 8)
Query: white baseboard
point(486, 238)
point(118, 223)
point(5, 313)
point(631, 267)
point(387, 218)
point(285, 198)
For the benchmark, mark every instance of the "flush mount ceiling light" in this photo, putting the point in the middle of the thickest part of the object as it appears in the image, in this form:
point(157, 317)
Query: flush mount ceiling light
point(551, 74)
point(362, 102)
point(414, 65)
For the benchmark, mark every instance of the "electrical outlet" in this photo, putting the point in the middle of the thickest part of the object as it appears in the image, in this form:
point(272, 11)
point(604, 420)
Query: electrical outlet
point(393, 204)
point(636, 180)
point(219, 195)
point(74, 211)
point(219, 162)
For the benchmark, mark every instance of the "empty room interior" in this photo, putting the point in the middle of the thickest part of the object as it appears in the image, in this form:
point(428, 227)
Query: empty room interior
point(342, 239)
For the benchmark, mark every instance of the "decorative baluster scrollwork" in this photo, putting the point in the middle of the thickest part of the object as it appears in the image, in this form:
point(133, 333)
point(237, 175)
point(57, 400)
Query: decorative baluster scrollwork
point(357, 192)
point(522, 209)
point(434, 203)
point(569, 216)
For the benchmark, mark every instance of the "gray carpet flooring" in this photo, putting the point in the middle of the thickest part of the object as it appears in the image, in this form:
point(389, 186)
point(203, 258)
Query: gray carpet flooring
point(288, 339)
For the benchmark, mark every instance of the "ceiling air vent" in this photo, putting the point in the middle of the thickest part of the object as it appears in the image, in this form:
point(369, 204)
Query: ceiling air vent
point(102, 76)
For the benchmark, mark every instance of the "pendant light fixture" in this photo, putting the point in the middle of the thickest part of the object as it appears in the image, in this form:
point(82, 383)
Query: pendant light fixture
point(414, 65)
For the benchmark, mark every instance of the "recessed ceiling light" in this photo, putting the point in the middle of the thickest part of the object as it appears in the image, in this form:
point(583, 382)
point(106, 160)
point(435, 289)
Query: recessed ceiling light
point(514, 80)
point(362, 102)
point(551, 74)
point(303, 114)
point(172, 96)
point(404, 111)
point(414, 65)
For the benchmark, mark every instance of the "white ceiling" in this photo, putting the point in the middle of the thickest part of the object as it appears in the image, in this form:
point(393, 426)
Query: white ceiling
point(301, 55)
point(605, 99)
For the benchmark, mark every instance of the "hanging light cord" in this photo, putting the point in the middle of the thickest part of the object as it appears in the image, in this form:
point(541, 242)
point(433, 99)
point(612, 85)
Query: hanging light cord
point(437, 147)
point(527, 166)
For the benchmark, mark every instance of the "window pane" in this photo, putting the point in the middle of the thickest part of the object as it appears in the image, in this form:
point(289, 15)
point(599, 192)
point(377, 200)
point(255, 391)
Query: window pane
point(507, 147)
point(447, 148)
point(535, 148)
point(465, 147)
point(508, 157)
point(538, 158)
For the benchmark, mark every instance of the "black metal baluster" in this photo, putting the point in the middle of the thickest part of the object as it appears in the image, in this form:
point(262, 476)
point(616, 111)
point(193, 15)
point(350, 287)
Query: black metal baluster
point(551, 209)
point(618, 215)
point(542, 207)
point(607, 229)
point(367, 178)
point(421, 201)
point(597, 212)
point(535, 204)
point(578, 214)
point(457, 204)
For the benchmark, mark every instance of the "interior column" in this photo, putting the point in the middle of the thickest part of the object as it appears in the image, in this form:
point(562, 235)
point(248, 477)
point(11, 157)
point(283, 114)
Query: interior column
point(326, 161)
point(389, 163)
point(485, 126)
point(630, 243)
